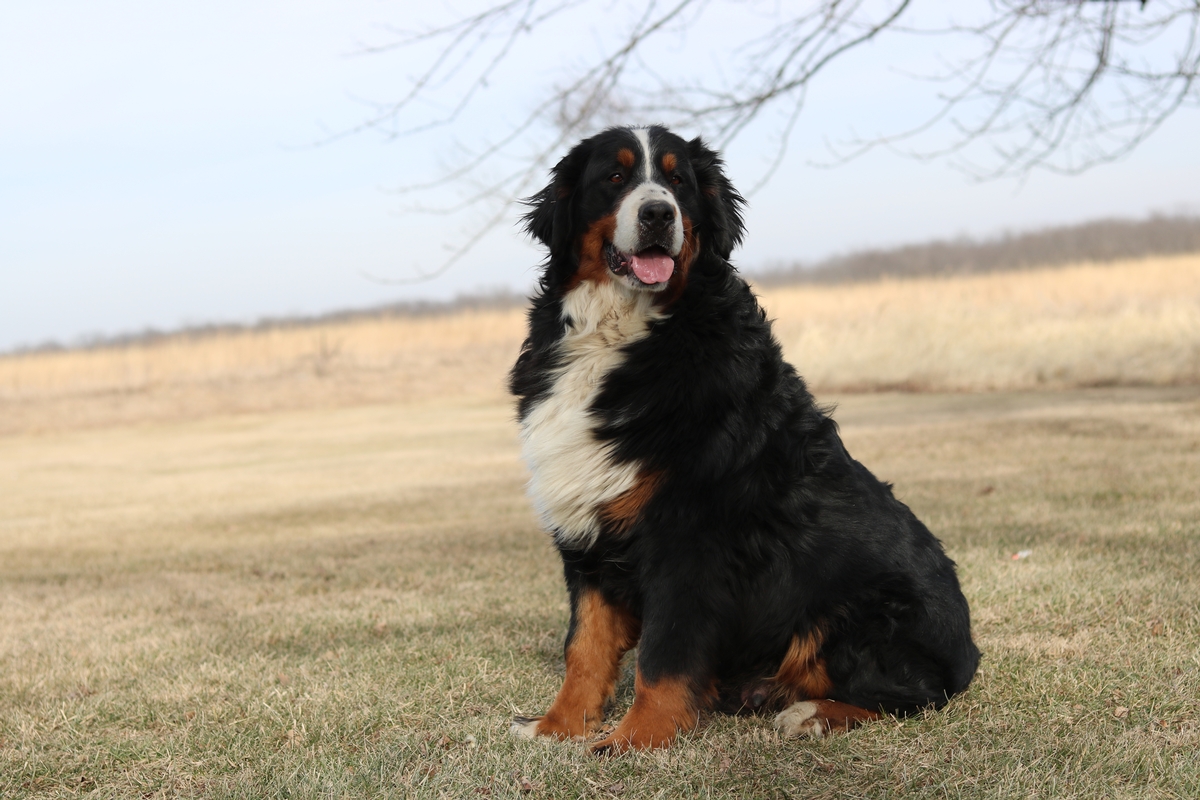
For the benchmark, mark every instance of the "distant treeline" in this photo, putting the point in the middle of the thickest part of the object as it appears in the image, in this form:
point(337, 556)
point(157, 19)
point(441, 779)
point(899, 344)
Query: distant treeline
point(500, 299)
point(1102, 240)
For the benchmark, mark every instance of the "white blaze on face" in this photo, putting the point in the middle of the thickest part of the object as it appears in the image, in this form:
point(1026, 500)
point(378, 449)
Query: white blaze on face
point(643, 137)
point(628, 235)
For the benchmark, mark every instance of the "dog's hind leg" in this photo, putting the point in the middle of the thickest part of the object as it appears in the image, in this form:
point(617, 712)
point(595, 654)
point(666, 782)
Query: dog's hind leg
point(815, 718)
point(601, 633)
point(803, 682)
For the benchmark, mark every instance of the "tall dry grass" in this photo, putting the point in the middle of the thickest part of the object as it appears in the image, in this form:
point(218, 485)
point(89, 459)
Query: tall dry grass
point(1123, 323)
point(377, 344)
point(341, 363)
point(1128, 323)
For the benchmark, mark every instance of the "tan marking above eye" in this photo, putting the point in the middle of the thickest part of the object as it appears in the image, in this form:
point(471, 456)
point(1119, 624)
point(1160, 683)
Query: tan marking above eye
point(669, 163)
point(625, 156)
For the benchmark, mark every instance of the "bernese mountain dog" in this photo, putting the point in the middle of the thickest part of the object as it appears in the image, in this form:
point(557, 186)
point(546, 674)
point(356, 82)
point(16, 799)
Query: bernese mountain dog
point(704, 506)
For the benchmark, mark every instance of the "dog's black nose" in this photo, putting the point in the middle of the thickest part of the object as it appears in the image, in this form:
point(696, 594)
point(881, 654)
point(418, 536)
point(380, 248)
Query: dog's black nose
point(656, 214)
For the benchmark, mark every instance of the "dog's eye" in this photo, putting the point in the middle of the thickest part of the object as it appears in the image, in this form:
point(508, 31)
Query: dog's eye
point(676, 179)
point(616, 177)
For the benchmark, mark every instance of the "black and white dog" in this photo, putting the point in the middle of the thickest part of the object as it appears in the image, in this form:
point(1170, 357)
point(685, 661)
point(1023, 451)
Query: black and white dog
point(705, 508)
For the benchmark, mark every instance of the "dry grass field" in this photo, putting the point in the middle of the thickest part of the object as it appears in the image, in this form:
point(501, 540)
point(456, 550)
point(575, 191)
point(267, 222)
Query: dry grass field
point(1134, 323)
point(261, 566)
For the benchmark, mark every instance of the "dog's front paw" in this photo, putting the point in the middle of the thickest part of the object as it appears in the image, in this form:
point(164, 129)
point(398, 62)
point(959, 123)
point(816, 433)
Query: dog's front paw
point(524, 727)
point(639, 732)
point(551, 725)
point(610, 746)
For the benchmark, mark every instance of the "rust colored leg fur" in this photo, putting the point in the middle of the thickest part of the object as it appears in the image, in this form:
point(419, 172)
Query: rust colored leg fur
point(603, 633)
point(802, 674)
point(660, 711)
point(801, 682)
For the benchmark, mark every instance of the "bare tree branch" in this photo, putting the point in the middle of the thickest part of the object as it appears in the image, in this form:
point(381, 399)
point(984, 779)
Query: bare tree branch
point(1092, 81)
point(1056, 85)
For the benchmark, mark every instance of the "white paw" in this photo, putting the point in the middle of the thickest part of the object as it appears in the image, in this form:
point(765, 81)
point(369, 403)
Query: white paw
point(525, 727)
point(799, 719)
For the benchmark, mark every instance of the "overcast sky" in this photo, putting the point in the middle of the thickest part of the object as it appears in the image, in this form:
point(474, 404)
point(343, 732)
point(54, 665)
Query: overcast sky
point(161, 165)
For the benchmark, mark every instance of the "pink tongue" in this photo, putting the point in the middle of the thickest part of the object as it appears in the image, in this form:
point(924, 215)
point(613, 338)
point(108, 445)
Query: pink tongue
point(652, 268)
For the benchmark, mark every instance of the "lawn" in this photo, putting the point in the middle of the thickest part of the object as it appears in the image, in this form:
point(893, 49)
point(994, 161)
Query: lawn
point(354, 600)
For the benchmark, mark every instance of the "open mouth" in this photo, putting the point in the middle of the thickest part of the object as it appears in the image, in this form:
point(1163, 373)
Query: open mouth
point(652, 266)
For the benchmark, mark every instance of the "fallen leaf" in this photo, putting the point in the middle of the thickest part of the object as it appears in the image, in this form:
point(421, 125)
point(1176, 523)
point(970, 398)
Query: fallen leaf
point(1120, 712)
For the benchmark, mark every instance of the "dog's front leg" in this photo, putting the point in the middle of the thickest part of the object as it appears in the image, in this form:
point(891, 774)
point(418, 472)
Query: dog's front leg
point(600, 634)
point(662, 709)
point(673, 684)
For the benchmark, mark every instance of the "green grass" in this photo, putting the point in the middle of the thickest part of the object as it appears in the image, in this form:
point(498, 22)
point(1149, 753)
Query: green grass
point(354, 603)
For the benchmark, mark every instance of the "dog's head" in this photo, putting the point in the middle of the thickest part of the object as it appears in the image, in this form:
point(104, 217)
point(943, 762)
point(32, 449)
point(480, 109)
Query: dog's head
point(634, 206)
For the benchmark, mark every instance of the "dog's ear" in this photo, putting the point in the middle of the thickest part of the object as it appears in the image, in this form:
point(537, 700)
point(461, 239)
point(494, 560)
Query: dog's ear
point(539, 220)
point(549, 217)
point(723, 226)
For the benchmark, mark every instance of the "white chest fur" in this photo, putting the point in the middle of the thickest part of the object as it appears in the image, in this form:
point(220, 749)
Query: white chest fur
point(574, 474)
